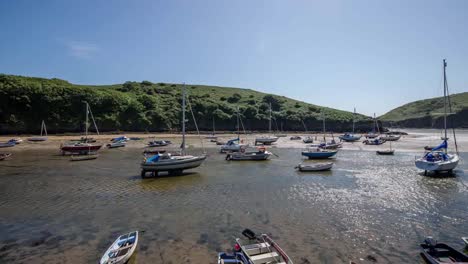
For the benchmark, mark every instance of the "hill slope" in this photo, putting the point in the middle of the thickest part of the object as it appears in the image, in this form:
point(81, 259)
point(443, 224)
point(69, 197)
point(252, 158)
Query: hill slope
point(146, 106)
point(428, 113)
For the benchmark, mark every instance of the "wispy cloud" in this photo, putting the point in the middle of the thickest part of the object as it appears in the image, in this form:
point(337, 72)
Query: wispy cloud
point(82, 50)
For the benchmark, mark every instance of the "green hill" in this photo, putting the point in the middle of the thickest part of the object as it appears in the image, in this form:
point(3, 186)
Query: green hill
point(146, 106)
point(428, 113)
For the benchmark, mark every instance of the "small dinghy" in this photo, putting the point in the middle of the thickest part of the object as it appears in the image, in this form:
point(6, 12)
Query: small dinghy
point(308, 140)
point(84, 157)
point(295, 138)
point(385, 152)
point(117, 144)
point(323, 166)
point(121, 250)
point(437, 253)
point(3, 156)
point(7, 144)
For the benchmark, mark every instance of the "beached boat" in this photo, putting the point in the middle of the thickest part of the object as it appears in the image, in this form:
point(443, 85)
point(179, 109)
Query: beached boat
point(43, 132)
point(234, 145)
point(318, 153)
point(121, 250)
point(119, 139)
point(117, 144)
point(437, 253)
point(159, 143)
point(88, 156)
point(295, 138)
point(390, 137)
point(261, 249)
point(324, 144)
point(308, 140)
point(267, 140)
point(260, 154)
point(350, 137)
point(438, 159)
point(387, 151)
point(8, 144)
point(82, 147)
point(374, 141)
point(4, 156)
point(16, 140)
point(171, 163)
point(322, 166)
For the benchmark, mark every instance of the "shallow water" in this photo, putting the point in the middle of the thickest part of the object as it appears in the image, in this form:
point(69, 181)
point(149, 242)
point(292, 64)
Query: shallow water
point(56, 211)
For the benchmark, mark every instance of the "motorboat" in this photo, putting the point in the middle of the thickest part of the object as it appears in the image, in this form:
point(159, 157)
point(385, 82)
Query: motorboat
point(319, 153)
point(121, 250)
point(7, 144)
point(261, 249)
point(374, 141)
point(322, 166)
point(438, 159)
point(118, 139)
point(232, 146)
point(4, 156)
point(159, 143)
point(117, 144)
point(260, 154)
point(41, 137)
point(308, 140)
point(438, 253)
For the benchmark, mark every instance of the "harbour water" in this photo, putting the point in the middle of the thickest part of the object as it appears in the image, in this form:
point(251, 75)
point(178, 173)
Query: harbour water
point(368, 207)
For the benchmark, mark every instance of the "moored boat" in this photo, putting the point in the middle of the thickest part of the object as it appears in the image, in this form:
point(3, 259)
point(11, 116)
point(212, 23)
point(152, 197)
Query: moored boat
point(322, 166)
point(16, 140)
point(41, 137)
point(88, 156)
point(438, 159)
point(295, 138)
point(7, 144)
point(267, 140)
point(117, 144)
point(375, 141)
point(260, 154)
point(159, 143)
point(79, 148)
point(385, 152)
point(350, 137)
point(308, 140)
point(4, 156)
point(118, 139)
point(318, 153)
point(390, 137)
point(438, 253)
point(121, 250)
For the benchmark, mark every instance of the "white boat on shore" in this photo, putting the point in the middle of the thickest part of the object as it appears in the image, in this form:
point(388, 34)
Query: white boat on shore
point(322, 166)
point(117, 144)
point(121, 250)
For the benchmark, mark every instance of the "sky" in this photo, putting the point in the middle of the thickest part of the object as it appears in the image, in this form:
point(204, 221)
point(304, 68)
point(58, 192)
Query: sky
point(370, 54)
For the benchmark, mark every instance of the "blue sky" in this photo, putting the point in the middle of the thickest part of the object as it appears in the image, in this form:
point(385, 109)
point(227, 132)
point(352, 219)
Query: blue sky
point(373, 55)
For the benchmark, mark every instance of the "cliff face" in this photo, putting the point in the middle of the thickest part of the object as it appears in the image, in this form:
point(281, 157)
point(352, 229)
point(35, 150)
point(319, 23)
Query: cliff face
point(429, 113)
point(146, 106)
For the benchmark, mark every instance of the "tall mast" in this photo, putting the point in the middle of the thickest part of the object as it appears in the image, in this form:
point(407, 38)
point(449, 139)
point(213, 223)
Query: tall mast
point(238, 125)
point(323, 122)
point(269, 124)
point(183, 120)
point(376, 124)
point(354, 115)
point(445, 102)
point(86, 122)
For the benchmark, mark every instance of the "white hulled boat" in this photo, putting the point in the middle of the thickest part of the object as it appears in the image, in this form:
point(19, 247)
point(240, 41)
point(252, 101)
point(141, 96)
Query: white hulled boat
point(438, 159)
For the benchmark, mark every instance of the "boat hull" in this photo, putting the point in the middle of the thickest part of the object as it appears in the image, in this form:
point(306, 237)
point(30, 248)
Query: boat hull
point(349, 138)
point(248, 156)
point(266, 140)
point(7, 145)
point(179, 164)
point(385, 152)
point(438, 166)
point(37, 139)
point(80, 149)
point(315, 167)
point(319, 155)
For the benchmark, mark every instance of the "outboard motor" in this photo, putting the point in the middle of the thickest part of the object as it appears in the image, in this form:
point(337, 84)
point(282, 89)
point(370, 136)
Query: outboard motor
point(430, 242)
point(249, 234)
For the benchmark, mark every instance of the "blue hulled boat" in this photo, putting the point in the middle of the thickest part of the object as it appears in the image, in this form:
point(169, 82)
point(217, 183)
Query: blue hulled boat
point(319, 153)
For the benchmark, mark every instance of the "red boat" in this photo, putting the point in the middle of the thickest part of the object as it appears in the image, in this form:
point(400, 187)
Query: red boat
point(80, 148)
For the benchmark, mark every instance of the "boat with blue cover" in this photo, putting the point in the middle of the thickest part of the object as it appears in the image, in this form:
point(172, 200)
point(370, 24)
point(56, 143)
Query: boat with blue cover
point(351, 137)
point(438, 159)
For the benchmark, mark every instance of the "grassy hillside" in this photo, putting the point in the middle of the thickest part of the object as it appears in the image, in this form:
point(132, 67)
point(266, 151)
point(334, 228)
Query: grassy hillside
point(429, 112)
point(146, 106)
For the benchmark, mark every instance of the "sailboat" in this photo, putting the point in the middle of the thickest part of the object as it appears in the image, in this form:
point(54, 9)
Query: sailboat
point(267, 140)
point(280, 133)
point(351, 137)
point(373, 133)
point(438, 159)
point(320, 151)
point(40, 138)
point(386, 152)
point(82, 147)
point(234, 145)
point(324, 144)
point(213, 135)
point(174, 164)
